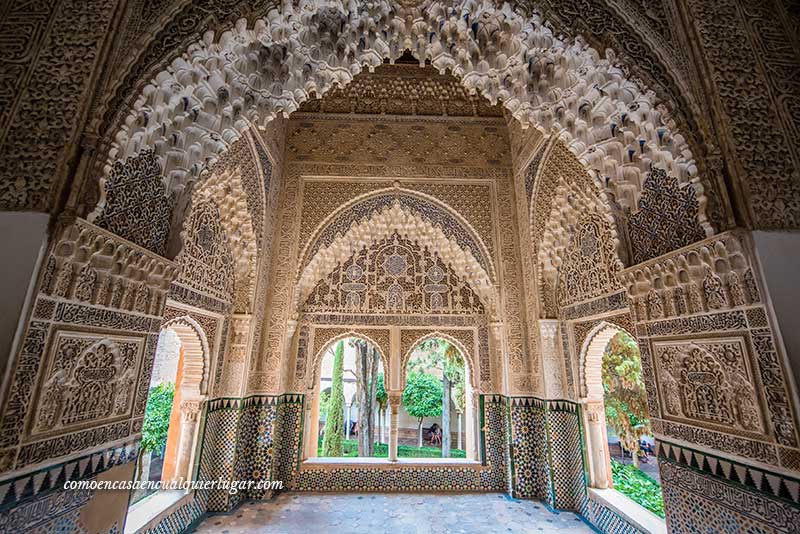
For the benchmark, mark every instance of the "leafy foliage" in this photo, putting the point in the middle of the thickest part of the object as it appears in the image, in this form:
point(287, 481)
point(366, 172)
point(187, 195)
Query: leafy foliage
point(441, 354)
point(156, 416)
point(324, 399)
point(380, 394)
point(642, 489)
point(350, 450)
point(334, 424)
point(624, 392)
point(423, 396)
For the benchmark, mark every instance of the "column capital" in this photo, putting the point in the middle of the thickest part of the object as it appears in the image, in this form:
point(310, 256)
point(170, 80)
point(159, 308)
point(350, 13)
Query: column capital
point(190, 409)
point(395, 399)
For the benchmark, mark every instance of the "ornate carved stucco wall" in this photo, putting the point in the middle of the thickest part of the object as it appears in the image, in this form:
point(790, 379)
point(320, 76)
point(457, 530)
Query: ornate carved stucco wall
point(78, 392)
point(728, 42)
point(329, 171)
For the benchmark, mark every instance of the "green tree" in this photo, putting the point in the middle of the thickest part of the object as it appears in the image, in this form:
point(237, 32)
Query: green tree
point(422, 398)
point(442, 354)
point(367, 360)
point(624, 393)
point(156, 417)
point(334, 424)
point(380, 393)
point(324, 397)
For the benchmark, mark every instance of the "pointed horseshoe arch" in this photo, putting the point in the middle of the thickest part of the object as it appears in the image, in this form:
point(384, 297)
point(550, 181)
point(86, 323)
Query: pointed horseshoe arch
point(591, 358)
point(195, 354)
point(331, 340)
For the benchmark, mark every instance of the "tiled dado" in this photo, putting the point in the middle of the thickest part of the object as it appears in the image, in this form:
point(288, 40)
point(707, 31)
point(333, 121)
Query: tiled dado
point(38, 500)
point(546, 451)
point(702, 489)
point(547, 461)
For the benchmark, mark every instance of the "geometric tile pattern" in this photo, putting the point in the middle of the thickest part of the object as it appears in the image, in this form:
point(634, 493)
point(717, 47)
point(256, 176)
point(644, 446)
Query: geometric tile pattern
point(181, 519)
point(218, 449)
point(289, 437)
point(700, 503)
point(776, 485)
point(548, 462)
point(606, 520)
point(566, 455)
point(38, 483)
point(254, 451)
point(529, 450)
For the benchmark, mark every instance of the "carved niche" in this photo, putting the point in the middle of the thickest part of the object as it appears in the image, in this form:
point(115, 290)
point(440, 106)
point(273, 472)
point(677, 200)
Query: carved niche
point(710, 381)
point(394, 275)
point(89, 381)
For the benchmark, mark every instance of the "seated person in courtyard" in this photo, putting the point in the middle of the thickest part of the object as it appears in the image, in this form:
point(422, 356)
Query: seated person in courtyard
point(436, 434)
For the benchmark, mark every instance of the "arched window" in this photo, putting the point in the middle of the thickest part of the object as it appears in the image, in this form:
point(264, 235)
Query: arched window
point(619, 441)
point(169, 430)
point(437, 415)
point(348, 412)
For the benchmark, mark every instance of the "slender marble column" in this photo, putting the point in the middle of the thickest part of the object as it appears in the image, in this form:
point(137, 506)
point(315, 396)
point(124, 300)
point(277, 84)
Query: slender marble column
point(394, 407)
point(190, 411)
point(599, 462)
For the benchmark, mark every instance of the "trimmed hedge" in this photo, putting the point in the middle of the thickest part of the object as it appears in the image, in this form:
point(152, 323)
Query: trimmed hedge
point(350, 450)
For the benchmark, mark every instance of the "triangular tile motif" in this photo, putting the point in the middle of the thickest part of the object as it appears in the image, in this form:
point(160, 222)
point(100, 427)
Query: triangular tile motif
point(23, 487)
point(774, 483)
point(58, 482)
point(793, 487)
point(96, 460)
point(741, 473)
point(757, 477)
point(783, 490)
point(84, 467)
point(726, 468)
point(700, 458)
point(712, 464)
point(6, 492)
point(39, 479)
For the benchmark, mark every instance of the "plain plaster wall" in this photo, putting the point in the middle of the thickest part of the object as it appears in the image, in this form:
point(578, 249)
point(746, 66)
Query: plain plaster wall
point(779, 256)
point(23, 238)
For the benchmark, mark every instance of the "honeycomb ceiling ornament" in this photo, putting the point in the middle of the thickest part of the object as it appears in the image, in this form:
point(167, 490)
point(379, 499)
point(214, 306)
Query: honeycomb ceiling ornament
point(224, 84)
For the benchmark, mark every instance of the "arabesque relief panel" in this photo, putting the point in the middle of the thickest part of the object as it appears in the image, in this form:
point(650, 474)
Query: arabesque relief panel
point(710, 382)
point(702, 324)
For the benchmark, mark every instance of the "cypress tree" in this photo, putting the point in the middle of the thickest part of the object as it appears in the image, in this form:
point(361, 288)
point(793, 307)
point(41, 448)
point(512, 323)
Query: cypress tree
point(332, 443)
